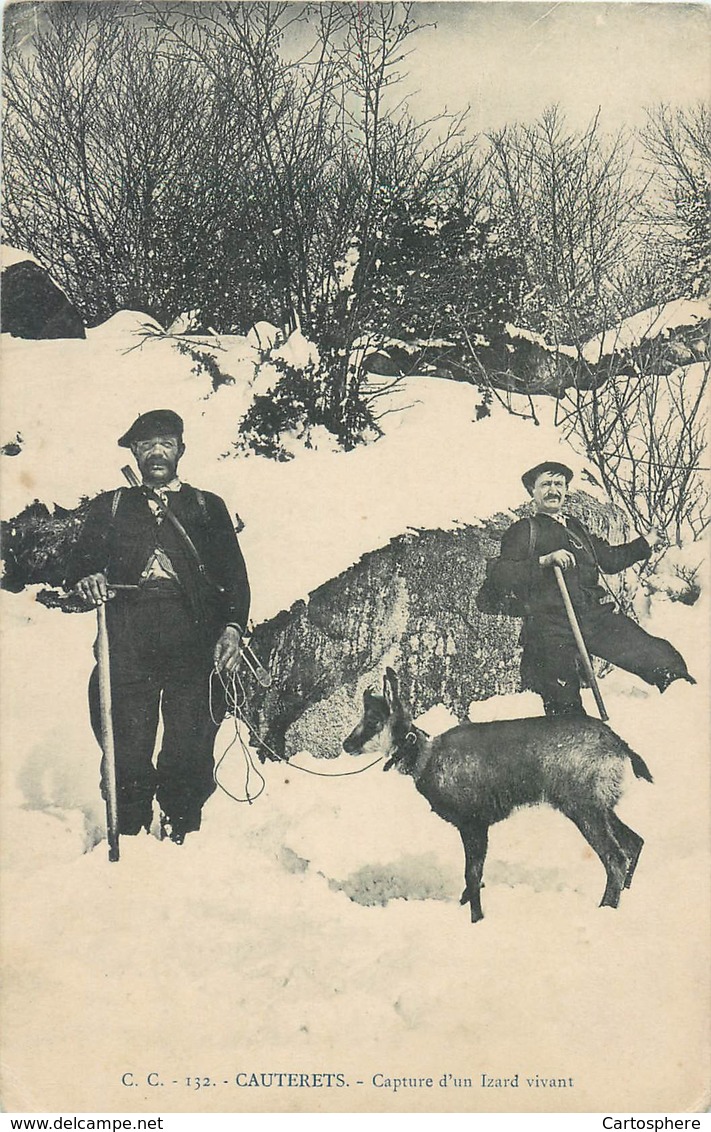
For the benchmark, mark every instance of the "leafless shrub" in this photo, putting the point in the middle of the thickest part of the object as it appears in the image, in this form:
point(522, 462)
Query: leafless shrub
point(677, 145)
point(646, 432)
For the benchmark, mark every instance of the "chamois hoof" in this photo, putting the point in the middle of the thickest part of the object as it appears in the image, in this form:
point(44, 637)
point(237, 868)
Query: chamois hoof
point(610, 901)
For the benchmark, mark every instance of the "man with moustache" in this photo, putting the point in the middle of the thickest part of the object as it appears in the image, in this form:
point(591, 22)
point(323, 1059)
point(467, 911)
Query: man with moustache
point(184, 617)
point(529, 551)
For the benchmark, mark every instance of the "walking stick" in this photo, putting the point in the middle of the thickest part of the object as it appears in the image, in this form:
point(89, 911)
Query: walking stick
point(580, 641)
point(107, 734)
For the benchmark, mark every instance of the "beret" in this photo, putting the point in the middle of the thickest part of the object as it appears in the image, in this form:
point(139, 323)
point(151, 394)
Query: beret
point(159, 422)
point(529, 478)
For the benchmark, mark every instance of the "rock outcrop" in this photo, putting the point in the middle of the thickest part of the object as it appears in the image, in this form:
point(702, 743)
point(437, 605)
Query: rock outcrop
point(658, 340)
point(410, 604)
point(518, 362)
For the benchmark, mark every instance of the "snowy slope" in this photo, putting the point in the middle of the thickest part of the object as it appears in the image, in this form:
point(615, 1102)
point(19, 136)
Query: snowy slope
point(241, 951)
point(10, 256)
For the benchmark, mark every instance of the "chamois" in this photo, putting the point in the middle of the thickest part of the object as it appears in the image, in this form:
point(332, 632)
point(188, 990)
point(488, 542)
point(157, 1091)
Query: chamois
point(475, 774)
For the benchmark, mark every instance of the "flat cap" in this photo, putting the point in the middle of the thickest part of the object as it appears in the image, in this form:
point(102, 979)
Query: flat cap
point(159, 422)
point(529, 478)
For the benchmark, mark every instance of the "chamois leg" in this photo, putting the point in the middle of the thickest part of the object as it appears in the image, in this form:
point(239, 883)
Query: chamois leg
point(475, 839)
point(630, 841)
point(595, 828)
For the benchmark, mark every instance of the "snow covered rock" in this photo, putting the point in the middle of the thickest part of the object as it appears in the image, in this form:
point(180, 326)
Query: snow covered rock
point(683, 323)
point(518, 361)
point(521, 361)
point(126, 322)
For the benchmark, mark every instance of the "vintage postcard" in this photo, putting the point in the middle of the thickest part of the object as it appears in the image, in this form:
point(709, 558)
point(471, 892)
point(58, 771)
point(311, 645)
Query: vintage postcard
point(355, 499)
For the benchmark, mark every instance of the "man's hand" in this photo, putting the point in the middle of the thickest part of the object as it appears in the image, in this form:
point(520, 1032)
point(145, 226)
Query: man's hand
point(653, 537)
point(562, 558)
point(228, 650)
point(94, 589)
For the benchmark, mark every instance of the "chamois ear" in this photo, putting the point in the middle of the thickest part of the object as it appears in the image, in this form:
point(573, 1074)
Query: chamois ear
point(390, 687)
point(368, 694)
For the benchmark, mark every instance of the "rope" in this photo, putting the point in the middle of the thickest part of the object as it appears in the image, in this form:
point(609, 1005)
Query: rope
point(336, 773)
point(236, 710)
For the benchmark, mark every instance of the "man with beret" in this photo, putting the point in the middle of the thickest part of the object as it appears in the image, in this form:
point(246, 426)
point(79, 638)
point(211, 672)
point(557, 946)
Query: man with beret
point(183, 616)
point(529, 551)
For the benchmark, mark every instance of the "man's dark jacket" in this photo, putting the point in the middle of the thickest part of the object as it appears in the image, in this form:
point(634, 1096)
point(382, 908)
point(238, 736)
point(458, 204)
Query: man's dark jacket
point(120, 545)
point(518, 572)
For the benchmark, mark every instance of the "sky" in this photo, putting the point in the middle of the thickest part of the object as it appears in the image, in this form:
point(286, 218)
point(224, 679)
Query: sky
point(509, 61)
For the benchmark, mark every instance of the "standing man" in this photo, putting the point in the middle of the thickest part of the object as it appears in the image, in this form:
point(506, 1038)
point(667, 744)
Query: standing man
point(185, 617)
point(529, 551)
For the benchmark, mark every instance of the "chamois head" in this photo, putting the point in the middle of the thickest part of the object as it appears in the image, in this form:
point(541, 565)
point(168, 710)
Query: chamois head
point(385, 726)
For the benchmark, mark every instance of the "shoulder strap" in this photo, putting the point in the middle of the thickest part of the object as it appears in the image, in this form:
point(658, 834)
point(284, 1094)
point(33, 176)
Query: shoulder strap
point(115, 502)
point(166, 513)
point(532, 535)
point(200, 496)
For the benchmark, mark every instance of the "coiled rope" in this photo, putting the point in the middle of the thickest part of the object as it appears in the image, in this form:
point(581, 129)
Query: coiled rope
point(236, 709)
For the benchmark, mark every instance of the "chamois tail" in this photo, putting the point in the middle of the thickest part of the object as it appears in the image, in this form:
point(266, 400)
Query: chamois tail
point(639, 766)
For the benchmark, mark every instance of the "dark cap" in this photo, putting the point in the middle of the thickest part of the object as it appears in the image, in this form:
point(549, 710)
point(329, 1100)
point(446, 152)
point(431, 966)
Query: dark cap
point(529, 478)
point(159, 422)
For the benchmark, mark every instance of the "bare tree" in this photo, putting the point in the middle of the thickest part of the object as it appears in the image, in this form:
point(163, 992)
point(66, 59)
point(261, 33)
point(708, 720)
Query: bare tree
point(568, 206)
point(333, 156)
point(645, 429)
point(101, 124)
point(677, 144)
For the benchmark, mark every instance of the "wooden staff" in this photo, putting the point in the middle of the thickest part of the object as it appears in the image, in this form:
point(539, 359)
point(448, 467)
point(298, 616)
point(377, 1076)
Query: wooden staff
point(580, 641)
point(107, 734)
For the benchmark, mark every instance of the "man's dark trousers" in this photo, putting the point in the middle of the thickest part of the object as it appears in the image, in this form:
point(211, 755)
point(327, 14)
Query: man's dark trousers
point(550, 659)
point(161, 664)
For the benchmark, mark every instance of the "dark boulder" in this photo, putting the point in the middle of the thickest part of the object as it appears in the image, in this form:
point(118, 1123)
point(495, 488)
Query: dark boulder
point(33, 306)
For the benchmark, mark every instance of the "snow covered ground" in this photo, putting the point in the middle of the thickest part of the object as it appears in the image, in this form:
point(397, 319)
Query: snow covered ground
point(319, 930)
